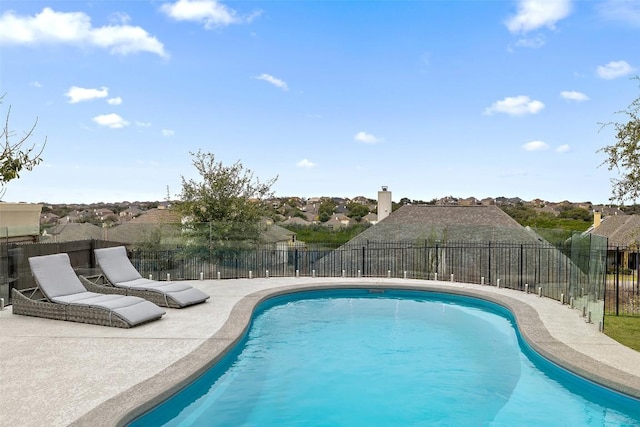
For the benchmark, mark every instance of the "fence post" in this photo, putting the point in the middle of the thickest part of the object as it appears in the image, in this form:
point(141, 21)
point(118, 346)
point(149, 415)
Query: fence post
point(489, 262)
point(617, 280)
point(521, 266)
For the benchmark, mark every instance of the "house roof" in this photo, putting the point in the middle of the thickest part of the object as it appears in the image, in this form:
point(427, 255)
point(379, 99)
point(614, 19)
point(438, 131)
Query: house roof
point(73, 231)
point(157, 216)
point(295, 220)
point(275, 233)
point(453, 223)
point(370, 217)
point(338, 220)
point(621, 230)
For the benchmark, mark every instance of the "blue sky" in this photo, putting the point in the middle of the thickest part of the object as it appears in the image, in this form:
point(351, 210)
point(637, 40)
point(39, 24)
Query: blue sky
point(336, 98)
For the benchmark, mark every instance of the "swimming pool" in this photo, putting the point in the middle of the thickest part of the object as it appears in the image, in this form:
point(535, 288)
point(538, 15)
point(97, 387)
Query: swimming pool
point(393, 358)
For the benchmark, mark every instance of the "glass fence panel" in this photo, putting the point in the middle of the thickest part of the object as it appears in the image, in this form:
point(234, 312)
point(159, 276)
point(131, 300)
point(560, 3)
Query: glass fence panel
point(572, 269)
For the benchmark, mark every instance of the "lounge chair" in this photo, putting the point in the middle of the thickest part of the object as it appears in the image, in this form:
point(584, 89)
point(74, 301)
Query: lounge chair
point(119, 271)
point(61, 295)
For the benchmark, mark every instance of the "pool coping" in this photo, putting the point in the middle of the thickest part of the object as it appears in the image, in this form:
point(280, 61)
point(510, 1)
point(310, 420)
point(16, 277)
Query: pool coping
point(123, 408)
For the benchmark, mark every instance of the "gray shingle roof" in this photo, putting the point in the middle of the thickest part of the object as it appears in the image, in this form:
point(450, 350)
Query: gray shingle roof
point(621, 230)
point(453, 223)
point(275, 233)
point(73, 231)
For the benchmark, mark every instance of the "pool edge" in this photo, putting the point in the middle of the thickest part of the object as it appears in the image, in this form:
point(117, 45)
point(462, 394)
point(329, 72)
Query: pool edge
point(128, 405)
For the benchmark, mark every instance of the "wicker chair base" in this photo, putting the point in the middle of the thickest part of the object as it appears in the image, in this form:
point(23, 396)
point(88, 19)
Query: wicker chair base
point(33, 303)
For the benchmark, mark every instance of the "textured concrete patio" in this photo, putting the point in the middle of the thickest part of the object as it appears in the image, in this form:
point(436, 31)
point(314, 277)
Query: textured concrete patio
point(57, 373)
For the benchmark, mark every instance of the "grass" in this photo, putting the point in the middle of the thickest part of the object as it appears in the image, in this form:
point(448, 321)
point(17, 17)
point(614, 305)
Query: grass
point(624, 329)
point(322, 234)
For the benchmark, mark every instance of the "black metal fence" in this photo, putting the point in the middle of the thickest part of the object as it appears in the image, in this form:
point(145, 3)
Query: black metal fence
point(581, 271)
point(622, 295)
point(573, 273)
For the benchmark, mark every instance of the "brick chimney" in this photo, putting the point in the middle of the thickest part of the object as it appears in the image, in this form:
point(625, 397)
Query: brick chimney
point(384, 203)
point(597, 219)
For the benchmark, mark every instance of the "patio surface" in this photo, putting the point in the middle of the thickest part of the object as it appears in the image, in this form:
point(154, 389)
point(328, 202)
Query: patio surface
point(57, 373)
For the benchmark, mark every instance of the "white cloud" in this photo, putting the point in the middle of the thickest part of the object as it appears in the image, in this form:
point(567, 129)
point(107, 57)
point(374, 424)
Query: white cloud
point(168, 132)
point(305, 163)
point(563, 148)
point(614, 69)
point(366, 138)
point(515, 106)
point(627, 11)
point(211, 13)
point(75, 28)
point(535, 14)
point(78, 94)
point(143, 124)
point(273, 80)
point(120, 18)
point(112, 120)
point(36, 84)
point(535, 146)
point(114, 101)
point(572, 95)
point(532, 42)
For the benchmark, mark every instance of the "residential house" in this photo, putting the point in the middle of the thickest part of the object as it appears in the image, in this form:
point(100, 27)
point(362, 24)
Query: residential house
point(469, 201)
point(130, 213)
point(446, 239)
point(160, 215)
point(158, 226)
point(363, 201)
point(311, 217)
point(75, 216)
point(508, 201)
point(370, 218)
point(154, 224)
point(73, 231)
point(623, 236)
point(296, 220)
point(341, 205)
point(452, 223)
point(447, 201)
point(49, 218)
point(338, 220)
point(19, 222)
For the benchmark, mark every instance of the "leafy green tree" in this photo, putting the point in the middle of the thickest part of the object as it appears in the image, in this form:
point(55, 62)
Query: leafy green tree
point(15, 157)
point(581, 214)
point(357, 211)
point(624, 155)
point(226, 204)
point(326, 209)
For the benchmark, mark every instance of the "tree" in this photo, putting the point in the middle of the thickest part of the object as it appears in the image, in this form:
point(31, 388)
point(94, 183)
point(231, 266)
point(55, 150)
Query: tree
point(15, 157)
point(357, 211)
point(326, 209)
point(624, 155)
point(229, 199)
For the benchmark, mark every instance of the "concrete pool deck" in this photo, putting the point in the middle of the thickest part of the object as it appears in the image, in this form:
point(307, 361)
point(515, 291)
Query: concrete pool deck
point(59, 373)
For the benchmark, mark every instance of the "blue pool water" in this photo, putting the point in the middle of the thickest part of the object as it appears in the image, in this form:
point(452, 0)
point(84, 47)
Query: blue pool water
point(401, 358)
